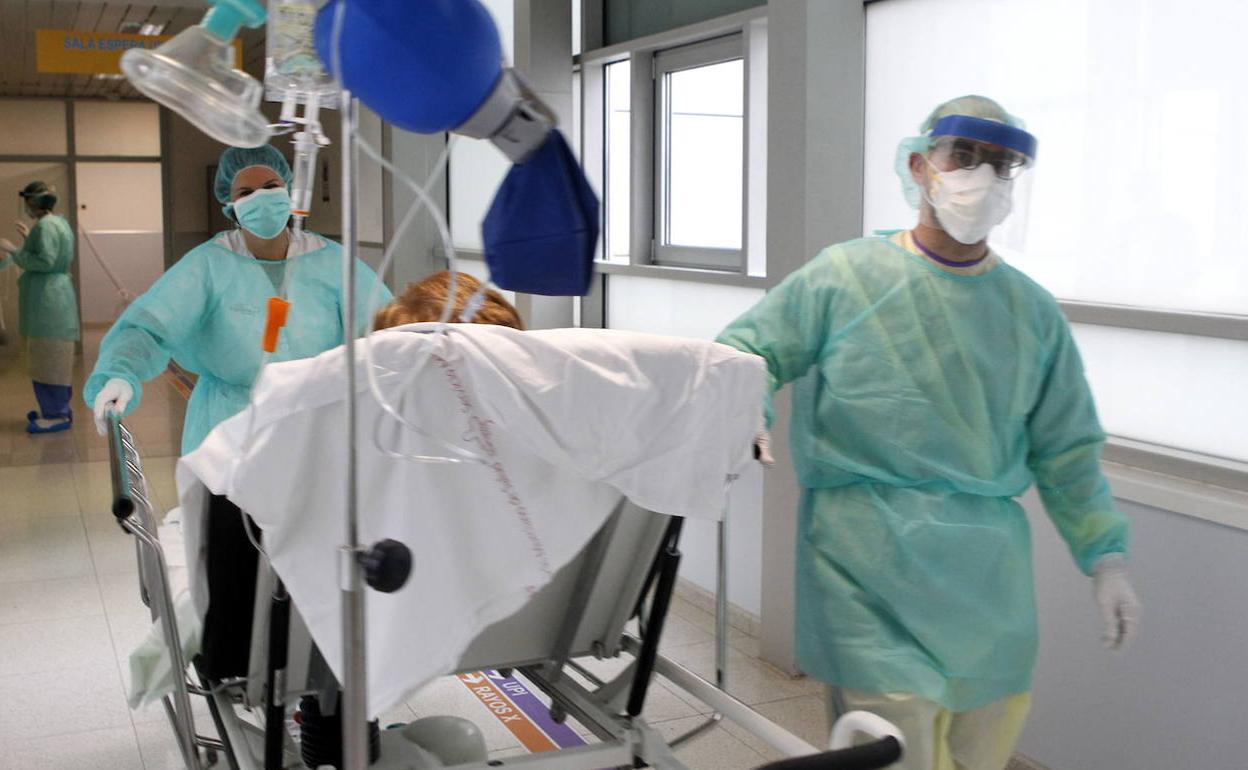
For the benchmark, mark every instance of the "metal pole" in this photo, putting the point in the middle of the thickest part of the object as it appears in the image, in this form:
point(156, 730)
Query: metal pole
point(355, 679)
point(721, 604)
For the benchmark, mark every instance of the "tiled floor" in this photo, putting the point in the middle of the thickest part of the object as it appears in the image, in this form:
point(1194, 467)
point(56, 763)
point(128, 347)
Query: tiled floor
point(70, 614)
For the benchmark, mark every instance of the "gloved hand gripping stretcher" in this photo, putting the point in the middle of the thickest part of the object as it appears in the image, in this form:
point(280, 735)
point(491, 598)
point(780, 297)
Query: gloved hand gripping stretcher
point(597, 443)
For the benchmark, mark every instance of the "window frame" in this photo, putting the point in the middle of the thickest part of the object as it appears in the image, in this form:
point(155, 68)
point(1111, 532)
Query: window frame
point(664, 63)
point(750, 267)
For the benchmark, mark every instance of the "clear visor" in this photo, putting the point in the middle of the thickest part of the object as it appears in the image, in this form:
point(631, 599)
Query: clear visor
point(1008, 177)
point(1009, 239)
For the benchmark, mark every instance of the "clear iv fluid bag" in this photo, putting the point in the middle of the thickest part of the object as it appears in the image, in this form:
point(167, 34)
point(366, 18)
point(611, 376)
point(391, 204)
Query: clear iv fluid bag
point(292, 66)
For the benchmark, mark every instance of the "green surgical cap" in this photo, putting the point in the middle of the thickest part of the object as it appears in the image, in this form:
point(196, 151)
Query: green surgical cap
point(235, 159)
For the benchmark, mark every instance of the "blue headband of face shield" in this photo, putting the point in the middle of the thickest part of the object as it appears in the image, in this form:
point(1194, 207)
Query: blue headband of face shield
point(989, 131)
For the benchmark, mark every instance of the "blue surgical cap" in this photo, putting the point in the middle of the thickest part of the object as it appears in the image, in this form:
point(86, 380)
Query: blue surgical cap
point(235, 159)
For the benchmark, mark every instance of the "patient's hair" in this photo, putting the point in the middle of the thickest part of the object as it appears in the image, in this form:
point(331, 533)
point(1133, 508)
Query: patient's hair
point(424, 301)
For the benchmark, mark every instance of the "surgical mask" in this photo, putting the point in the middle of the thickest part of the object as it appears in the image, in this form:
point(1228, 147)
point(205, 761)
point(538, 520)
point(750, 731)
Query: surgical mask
point(970, 202)
point(264, 213)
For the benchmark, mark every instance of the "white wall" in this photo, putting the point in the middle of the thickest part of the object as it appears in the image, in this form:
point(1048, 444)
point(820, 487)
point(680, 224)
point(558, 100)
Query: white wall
point(477, 167)
point(1176, 698)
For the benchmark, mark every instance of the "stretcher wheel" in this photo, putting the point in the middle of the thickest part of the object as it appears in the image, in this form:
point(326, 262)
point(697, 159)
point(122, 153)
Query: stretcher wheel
point(211, 758)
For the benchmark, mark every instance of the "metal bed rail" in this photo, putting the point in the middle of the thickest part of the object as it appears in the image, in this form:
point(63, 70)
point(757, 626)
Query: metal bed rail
point(132, 507)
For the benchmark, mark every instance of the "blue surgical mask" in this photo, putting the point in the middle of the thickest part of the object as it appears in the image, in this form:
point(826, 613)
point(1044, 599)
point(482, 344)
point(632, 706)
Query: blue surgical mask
point(264, 213)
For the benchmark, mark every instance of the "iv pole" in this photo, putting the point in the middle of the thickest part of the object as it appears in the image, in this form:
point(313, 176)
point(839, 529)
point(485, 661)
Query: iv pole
point(355, 684)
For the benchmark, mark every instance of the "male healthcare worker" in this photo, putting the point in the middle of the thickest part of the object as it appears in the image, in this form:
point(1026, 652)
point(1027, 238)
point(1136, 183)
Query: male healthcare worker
point(208, 313)
point(49, 307)
point(944, 383)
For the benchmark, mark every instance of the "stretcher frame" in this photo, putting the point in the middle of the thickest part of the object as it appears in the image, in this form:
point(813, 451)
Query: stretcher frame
point(585, 611)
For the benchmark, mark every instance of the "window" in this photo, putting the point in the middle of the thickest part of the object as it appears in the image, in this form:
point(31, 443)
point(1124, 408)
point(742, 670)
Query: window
point(674, 129)
point(618, 160)
point(1142, 245)
point(700, 158)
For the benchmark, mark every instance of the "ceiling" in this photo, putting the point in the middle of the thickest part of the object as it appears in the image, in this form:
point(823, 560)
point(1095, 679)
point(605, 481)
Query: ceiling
point(20, 18)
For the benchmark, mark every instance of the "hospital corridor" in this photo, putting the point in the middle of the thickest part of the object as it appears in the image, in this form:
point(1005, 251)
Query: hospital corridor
point(72, 616)
point(584, 384)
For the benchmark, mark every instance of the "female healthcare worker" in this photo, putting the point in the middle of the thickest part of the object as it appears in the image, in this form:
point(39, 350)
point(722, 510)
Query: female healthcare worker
point(49, 307)
point(945, 382)
point(208, 313)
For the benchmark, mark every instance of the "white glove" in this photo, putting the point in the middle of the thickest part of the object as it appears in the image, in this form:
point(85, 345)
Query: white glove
point(1120, 607)
point(762, 448)
point(23, 228)
point(7, 245)
point(115, 396)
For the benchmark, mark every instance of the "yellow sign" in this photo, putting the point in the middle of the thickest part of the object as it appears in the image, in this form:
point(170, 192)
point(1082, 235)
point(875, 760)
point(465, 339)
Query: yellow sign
point(66, 51)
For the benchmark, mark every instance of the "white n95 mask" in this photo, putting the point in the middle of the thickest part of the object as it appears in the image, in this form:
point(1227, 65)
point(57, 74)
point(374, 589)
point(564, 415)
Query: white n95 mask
point(970, 202)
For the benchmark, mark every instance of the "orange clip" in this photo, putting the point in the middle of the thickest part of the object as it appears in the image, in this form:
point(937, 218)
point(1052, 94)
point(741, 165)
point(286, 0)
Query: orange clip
point(278, 309)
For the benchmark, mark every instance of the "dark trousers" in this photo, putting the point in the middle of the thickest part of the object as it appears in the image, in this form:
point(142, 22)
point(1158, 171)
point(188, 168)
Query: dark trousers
point(53, 400)
point(232, 563)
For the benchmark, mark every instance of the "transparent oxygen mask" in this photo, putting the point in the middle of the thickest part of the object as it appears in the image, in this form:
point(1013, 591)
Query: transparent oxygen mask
point(193, 74)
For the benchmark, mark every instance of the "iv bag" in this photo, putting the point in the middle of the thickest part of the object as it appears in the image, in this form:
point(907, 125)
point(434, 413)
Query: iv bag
point(292, 66)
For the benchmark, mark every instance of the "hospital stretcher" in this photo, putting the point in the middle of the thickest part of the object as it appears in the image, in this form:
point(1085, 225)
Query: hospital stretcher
point(627, 572)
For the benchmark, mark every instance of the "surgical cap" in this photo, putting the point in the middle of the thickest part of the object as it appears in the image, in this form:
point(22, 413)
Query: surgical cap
point(973, 106)
point(39, 195)
point(235, 159)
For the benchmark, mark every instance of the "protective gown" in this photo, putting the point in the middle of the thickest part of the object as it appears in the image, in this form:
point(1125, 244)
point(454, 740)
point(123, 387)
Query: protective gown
point(927, 402)
point(49, 306)
point(208, 314)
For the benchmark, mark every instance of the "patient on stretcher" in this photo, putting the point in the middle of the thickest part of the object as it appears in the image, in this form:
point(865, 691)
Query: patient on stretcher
point(425, 301)
point(224, 647)
point(232, 558)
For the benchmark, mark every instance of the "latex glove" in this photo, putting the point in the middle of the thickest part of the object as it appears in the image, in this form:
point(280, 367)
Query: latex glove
point(762, 449)
point(7, 245)
point(1120, 607)
point(115, 396)
point(23, 228)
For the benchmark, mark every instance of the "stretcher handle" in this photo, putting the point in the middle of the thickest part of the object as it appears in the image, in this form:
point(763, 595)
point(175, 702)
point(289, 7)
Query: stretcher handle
point(123, 503)
point(872, 756)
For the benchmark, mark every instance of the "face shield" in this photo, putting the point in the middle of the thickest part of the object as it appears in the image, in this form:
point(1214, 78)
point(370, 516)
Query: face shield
point(988, 160)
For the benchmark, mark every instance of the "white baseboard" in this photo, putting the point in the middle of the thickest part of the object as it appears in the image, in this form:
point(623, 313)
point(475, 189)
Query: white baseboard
point(742, 620)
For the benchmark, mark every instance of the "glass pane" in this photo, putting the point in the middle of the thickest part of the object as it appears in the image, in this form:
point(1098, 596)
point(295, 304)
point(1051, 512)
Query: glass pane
point(704, 155)
point(576, 27)
point(618, 161)
point(1115, 215)
point(34, 127)
point(1171, 389)
point(116, 128)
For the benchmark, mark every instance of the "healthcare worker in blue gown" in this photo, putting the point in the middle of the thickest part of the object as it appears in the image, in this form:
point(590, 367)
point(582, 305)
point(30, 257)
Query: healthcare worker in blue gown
point(936, 383)
point(208, 314)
